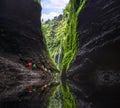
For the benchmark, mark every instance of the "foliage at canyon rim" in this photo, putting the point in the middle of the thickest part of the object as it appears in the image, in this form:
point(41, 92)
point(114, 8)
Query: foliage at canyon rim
point(61, 35)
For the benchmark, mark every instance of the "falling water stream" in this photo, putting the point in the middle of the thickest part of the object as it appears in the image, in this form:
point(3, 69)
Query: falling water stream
point(59, 58)
point(61, 96)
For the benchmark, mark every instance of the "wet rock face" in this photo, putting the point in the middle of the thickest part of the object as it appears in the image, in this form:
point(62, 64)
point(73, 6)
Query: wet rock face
point(96, 70)
point(20, 28)
point(21, 41)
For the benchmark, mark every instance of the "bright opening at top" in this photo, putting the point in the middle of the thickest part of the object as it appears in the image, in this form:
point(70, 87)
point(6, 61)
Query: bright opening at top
point(52, 8)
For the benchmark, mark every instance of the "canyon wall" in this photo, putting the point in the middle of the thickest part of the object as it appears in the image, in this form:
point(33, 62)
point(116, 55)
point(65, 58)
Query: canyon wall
point(95, 72)
point(21, 41)
point(20, 29)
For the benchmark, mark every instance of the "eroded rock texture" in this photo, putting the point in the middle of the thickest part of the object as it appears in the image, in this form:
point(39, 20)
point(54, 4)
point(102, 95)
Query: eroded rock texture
point(21, 41)
point(96, 70)
point(20, 29)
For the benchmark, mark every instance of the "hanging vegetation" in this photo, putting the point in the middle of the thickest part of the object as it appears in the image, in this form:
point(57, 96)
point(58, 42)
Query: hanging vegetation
point(61, 35)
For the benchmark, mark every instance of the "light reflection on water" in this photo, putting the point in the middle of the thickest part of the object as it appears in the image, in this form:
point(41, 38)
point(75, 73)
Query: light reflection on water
point(61, 97)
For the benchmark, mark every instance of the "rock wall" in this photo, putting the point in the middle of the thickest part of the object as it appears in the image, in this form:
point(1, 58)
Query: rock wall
point(20, 28)
point(21, 41)
point(95, 72)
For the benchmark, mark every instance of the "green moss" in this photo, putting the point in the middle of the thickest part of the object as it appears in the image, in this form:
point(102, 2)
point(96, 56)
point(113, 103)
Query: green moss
point(61, 35)
point(72, 11)
point(62, 98)
point(53, 31)
point(68, 98)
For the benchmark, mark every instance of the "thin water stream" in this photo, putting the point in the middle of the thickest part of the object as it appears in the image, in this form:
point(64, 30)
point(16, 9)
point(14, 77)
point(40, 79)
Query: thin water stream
point(61, 96)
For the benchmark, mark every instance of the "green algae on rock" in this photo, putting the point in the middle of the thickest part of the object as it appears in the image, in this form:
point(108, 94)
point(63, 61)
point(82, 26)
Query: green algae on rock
point(61, 35)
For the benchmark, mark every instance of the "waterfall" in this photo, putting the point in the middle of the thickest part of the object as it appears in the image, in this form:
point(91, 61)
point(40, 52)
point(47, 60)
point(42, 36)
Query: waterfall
point(59, 58)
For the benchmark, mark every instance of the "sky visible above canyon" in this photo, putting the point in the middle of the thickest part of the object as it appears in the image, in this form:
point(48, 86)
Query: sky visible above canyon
point(52, 8)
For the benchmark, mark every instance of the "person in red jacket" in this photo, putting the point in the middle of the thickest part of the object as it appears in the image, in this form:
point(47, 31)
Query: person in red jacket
point(29, 64)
